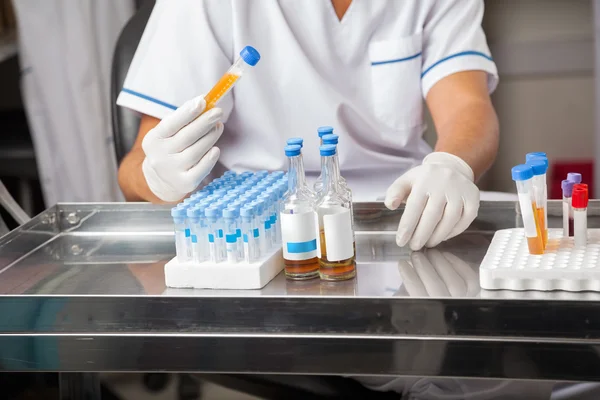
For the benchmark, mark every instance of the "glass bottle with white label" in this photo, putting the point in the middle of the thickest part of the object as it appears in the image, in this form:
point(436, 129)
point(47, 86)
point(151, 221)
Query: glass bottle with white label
point(336, 231)
point(299, 225)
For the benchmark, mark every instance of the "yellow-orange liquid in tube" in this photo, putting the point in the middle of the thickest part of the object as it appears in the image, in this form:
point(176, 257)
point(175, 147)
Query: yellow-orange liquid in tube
point(248, 57)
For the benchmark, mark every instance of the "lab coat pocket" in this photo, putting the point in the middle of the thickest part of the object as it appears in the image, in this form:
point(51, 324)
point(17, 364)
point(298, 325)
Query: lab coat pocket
point(396, 86)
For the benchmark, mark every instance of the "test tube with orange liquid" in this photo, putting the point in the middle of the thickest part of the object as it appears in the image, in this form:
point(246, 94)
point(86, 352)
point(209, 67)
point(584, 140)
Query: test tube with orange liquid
point(523, 177)
point(540, 191)
point(248, 57)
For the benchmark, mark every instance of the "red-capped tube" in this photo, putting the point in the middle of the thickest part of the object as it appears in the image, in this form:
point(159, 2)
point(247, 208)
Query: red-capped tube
point(579, 198)
point(580, 203)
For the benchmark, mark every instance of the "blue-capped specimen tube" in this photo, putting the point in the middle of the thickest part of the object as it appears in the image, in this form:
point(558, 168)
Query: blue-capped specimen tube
point(179, 215)
point(248, 236)
point(231, 248)
point(214, 230)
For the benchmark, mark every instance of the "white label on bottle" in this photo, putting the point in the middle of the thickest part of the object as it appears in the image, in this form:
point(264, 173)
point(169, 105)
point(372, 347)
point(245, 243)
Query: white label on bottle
point(299, 234)
point(338, 235)
point(527, 212)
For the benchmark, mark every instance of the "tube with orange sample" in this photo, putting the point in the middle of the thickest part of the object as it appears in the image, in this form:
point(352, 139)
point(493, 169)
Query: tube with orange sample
point(523, 177)
point(248, 57)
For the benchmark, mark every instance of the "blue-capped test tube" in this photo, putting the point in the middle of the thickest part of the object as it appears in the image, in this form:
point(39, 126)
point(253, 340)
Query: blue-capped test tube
point(179, 215)
point(199, 233)
point(265, 199)
point(249, 235)
point(215, 232)
point(237, 205)
point(230, 216)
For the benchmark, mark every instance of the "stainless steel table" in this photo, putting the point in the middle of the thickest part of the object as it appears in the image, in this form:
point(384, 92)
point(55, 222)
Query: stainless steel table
point(82, 289)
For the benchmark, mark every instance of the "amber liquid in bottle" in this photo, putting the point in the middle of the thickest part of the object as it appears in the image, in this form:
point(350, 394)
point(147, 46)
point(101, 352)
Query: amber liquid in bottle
point(302, 269)
point(336, 270)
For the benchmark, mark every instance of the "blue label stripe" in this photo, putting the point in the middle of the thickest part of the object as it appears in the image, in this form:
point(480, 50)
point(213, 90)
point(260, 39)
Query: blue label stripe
point(194, 239)
point(397, 60)
point(146, 97)
point(267, 224)
point(256, 232)
point(220, 233)
point(238, 232)
point(188, 232)
point(231, 238)
point(301, 247)
point(211, 238)
point(273, 219)
point(245, 238)
point(461, 54)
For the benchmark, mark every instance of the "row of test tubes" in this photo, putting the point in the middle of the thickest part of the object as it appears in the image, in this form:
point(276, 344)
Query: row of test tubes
point(233, 219)
point(575, 202)
point(532, 189)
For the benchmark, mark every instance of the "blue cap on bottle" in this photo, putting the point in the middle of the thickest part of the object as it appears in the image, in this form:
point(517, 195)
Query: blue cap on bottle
point(324, 130)
point(538, 166)
point(296, 140)
point(330, 139)
point(250, 55)
point(327, 150)
point(292, 150)
point(522, 172)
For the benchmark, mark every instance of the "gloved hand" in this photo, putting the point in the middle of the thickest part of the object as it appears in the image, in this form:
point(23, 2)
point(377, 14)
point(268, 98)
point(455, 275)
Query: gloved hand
point(179, 150)
point(441, 200)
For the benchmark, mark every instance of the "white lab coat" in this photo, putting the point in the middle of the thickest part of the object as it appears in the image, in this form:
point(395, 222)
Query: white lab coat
point(65, 49)
point(365, 75)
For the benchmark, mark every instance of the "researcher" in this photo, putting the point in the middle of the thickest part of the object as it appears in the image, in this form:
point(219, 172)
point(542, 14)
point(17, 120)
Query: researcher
point(364, 67)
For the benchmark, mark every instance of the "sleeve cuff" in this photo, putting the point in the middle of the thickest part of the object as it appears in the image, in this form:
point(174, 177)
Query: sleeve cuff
point(144, 104)
point(467, 61)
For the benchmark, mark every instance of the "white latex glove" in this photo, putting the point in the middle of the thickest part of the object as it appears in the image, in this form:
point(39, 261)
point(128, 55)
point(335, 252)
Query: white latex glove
point(179, 150)
point(441, 200)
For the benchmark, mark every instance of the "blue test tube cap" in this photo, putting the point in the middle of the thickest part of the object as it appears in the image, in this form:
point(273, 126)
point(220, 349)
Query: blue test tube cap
point(278, 174)
point(292, 150)
point(247, 211)
point(521, 172)
point(330, 139)
point(195, 212)
point(295, 141)
point(327, 150)
point(212, 212)
point(262, 173)
point(324, 130)
point(229, 173)
point(259, 206)
point(179, 212)
point(250, 55)
point(535, 154)
point(538, 166)
point(230, 213)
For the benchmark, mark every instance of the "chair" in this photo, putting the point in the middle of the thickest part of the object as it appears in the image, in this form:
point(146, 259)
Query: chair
point(125, 125)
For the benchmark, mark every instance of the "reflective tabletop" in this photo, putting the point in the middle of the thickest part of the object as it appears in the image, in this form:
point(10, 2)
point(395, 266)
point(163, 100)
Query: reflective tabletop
point(82, 288)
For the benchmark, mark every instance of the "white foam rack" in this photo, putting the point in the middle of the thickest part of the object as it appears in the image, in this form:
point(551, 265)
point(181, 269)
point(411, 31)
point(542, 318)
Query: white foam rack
point(508, 264)
point(224, 275)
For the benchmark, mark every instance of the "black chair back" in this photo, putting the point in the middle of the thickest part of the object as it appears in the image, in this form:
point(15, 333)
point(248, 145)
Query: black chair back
point(125, 122)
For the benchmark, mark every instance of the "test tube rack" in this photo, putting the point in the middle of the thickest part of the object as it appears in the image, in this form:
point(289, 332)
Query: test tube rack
point(508, 264)
point(207, 275)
